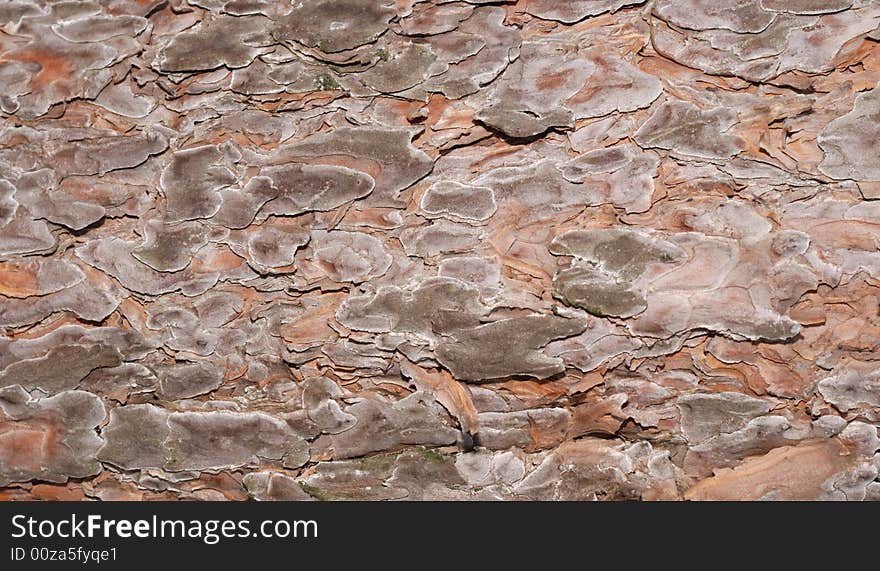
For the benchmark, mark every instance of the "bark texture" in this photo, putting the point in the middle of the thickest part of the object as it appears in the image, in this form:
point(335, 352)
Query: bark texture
point(476, 250)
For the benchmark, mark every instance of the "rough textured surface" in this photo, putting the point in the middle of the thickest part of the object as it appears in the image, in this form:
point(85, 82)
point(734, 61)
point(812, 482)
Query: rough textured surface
point(440, 249)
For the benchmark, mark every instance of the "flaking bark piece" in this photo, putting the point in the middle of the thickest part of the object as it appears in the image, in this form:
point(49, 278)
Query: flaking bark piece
point(239, 206)
point(24, 236)
point(688, 131)
point(119, 383)
point(187, 380)
point(417, 420)
point(14, 12)
point(530, 430)
point(219, 41)
point(857, 389)
point(127, 341)
point(806, 471)
point(170, 248)
point(274, 486)
point(352, 257)
point(706, 415)
point(385, 154)
point(529, 98)
point(808, 7)
point(458, 201)
point(8, 204)
point(114, 257)
point(573, 11)
point(399, 68)
point(435, 19)
point(440, 237)
point(743, 16)
point(506, 348)
point(607, 263)
point(35, 277)
point(334, 25)
point(620, 250)
point(60, 369)
point(477, 52)
point(36, 191)
point(544, 90)
point(626, 169)
point(318, 398)
point(99, 28)
point(481, 272)
point(436, 304)
point(454, 396)
point(146, 436)
point(90, 300)
point(99, 155)
point(120, 99)
point(61, 70)
point(301, 188)
point(542, 187)
point(808, 44)
point(850, 142)
point(613, 86)
point(191, 183)
point(275, 245)
point(216, 440)
point(50, 439)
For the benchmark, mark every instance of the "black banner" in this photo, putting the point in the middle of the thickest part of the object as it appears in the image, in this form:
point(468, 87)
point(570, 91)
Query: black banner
point(122, 535)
